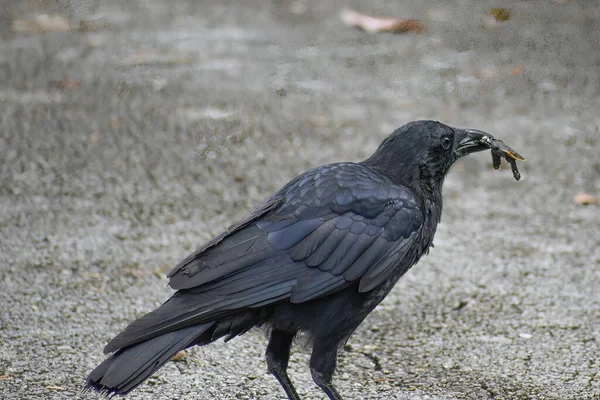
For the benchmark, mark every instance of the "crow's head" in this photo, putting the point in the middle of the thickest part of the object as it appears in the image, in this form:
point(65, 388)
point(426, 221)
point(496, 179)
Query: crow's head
point(420, 153)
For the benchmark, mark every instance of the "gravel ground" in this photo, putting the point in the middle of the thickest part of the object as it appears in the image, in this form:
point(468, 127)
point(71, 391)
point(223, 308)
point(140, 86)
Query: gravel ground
point(124, 148)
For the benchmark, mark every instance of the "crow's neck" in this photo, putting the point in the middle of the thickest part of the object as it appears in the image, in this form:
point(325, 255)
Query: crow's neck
point(430, 190)
point(426, 186)
point(433, 202)
point(431, 195)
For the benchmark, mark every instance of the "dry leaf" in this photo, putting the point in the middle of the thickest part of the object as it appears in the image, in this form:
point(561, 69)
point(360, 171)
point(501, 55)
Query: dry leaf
point(491, 72)
point(584, 199)
point(3, 377)
point(52, 387)
point(116, 122)
point(64, 84)
point(145, 58)
point(320, 120)
point(42, 23)
point(500, 14)
point(134, 272)
point(91, 26)
point(94, 137)
point(179, 356)
point(160, 272)
point(374, 25)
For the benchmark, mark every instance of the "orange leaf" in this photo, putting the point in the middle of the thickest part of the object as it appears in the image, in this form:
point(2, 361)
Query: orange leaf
point(65, 84)
point(94, 137)
point(584, 199)
point(42, 23)
point(116, 122)
point(373, 25)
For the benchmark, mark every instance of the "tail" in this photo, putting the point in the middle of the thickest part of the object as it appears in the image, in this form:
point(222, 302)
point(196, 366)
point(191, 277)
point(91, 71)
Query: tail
point(135, 361)
point(129, 367)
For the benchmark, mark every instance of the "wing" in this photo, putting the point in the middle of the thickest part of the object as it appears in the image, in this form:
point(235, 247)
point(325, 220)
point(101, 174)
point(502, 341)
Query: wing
point(191, 264)
point(330, 227)
point(334, 226)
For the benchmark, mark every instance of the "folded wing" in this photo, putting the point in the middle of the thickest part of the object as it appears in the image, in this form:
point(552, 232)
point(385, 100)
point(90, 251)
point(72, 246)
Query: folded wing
point(332, 227)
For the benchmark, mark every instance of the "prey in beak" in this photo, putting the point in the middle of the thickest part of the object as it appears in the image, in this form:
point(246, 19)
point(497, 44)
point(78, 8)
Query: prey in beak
point(472, 140)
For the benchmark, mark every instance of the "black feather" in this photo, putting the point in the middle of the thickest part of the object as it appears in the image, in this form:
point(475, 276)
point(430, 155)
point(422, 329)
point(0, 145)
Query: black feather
point(324, 250)
point(307, 260)
point(130, 366)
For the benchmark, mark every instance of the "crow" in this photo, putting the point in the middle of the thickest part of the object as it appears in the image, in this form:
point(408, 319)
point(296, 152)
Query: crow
point(314, 259)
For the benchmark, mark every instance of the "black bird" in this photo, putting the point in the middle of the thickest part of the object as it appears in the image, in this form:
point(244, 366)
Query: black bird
point(316, 258)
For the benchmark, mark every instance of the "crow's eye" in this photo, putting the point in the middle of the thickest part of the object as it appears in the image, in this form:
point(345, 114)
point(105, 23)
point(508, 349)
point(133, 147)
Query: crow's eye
point(446, 142)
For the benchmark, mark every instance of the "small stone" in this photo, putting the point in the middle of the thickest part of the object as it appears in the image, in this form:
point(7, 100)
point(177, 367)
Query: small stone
point(525, 335)
point(180, 356)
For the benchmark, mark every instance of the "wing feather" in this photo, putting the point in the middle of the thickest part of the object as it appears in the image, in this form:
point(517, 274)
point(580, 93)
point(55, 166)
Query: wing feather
point(306, 247)
point(360, 245)
point(335, 226)
point(289, 236)
point(325, 249)
point(340, 251)
point(368, 258)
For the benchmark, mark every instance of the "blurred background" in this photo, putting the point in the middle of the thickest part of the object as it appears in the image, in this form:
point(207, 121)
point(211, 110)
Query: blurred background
point(131, 132)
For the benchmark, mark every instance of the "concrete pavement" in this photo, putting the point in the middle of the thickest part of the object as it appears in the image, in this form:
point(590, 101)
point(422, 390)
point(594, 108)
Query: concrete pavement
point(126, 147)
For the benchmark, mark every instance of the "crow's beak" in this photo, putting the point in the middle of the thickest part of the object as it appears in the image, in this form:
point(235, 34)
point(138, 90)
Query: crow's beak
point(470, 141)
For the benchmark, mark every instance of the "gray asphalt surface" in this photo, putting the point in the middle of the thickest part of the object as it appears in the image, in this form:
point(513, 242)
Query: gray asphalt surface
point(181, 116)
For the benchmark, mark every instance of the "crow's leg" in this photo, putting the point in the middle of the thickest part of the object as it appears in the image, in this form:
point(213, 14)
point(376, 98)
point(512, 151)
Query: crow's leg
point(322, 365)
point(278, 355)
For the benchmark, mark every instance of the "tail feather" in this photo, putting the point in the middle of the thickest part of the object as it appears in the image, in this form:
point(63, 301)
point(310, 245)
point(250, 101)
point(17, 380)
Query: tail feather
point(129, 367)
